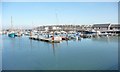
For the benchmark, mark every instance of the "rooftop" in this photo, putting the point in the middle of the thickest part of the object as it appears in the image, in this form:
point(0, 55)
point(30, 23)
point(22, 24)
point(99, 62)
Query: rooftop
point(101, 25)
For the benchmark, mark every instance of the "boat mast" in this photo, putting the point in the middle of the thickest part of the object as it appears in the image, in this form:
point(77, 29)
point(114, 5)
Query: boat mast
point(11, 24)
point(56, 18)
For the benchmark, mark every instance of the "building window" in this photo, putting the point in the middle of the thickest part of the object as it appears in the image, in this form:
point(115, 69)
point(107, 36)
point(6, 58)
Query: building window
point(111, 28)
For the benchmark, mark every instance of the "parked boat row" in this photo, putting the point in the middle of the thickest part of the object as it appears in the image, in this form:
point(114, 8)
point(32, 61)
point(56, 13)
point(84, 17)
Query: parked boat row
point(57, 36)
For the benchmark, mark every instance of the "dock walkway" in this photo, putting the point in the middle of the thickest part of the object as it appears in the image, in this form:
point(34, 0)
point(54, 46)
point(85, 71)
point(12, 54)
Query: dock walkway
point(44, 39)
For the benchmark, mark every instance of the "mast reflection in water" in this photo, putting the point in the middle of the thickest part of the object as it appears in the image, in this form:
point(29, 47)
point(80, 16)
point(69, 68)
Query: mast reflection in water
point(86, 54)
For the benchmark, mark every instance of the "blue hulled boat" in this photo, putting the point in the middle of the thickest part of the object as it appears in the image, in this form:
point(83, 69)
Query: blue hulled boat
point(12, 35)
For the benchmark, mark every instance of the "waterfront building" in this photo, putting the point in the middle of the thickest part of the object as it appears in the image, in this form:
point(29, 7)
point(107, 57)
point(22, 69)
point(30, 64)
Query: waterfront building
point(78, 28)
point(115, 27)
point(101, 27)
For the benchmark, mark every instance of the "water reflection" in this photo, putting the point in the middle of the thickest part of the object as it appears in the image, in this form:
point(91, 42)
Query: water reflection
point(31, 46)
point(105, 39)
point(19, 42)
point(12, 41)
point(67, 43)
point(92, 53)
point(53, 47)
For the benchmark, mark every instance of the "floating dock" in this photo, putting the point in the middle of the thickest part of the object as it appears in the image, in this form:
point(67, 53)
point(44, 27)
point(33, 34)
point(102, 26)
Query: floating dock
point(44, 39)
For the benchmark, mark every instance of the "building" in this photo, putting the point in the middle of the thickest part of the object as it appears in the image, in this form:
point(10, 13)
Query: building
point(101, 27)
point(96, 27)
point(115, 27)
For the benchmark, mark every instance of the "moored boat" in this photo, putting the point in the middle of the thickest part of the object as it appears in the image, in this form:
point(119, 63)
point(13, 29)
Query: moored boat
point(19, 34)
point(11, 34)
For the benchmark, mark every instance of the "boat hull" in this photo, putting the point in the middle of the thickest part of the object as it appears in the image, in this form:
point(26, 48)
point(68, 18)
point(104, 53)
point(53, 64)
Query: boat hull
point(12, 35)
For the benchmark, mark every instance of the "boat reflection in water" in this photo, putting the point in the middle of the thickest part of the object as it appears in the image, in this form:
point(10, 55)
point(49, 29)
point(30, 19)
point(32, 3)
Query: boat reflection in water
point(53, 48)
point(86, 54)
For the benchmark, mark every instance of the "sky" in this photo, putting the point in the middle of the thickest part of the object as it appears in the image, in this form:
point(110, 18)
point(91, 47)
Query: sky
point(60, 0)
point(33, 14)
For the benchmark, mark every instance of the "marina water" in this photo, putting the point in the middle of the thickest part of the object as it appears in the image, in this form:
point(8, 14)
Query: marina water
point(22, 53)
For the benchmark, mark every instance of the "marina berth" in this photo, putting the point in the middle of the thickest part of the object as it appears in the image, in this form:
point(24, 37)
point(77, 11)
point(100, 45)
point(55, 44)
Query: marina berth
point(61, 35)
point(41, 38)
point(65, 32)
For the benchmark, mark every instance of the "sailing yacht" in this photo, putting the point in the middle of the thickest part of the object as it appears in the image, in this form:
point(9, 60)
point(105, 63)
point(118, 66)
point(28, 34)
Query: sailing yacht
point(11, 33)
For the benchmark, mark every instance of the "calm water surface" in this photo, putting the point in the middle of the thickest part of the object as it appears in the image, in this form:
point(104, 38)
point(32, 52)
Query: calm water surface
point(86, 54)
